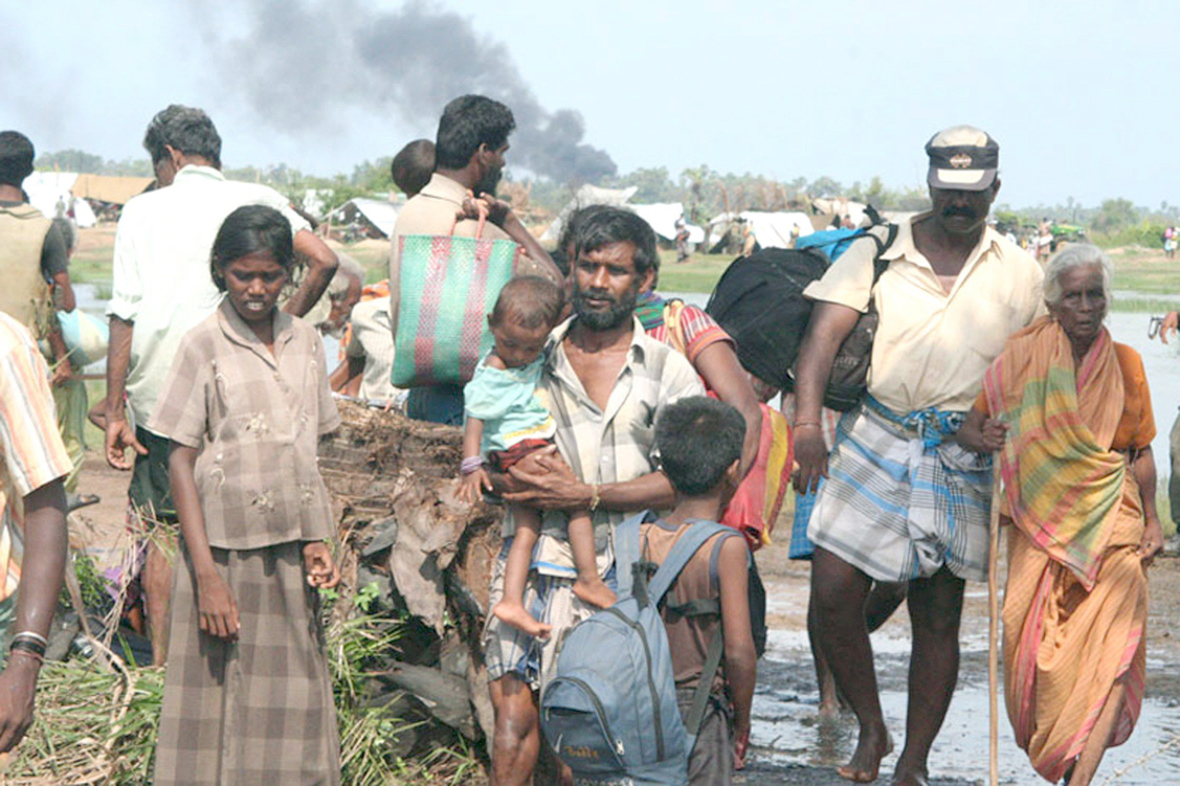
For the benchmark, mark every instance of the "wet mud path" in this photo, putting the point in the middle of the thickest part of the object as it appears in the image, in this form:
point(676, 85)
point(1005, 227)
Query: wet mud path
point(791, 745)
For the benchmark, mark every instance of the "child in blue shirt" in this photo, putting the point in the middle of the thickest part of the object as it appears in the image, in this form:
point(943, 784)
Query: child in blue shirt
point(506, 420)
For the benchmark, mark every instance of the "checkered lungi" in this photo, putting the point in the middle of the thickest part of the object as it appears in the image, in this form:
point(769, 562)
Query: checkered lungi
point(258, 710)
point(899, 506)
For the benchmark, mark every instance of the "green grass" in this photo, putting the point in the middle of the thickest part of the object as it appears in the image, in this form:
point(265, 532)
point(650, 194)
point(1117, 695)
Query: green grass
point(698, 274)
point(1144, 305)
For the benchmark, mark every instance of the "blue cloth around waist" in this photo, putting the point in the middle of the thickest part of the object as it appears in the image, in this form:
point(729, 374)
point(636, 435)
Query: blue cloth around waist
point(932, 424)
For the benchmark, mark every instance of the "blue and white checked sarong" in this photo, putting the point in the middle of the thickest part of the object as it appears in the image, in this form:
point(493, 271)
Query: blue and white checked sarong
point(901, 500)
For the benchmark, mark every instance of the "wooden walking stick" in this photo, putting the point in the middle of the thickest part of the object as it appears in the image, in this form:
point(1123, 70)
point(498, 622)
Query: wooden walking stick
point(993, 628)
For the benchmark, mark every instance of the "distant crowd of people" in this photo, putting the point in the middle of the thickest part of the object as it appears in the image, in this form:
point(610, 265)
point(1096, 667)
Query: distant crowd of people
point(616, 424)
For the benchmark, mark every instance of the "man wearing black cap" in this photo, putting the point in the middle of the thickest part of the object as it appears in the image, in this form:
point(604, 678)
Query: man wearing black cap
point(900, 500)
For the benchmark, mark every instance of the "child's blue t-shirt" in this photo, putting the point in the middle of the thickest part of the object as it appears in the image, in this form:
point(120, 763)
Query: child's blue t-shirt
point(509, 403)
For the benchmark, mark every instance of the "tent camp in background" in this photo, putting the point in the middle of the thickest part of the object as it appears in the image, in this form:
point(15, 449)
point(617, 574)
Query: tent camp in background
point(83, 197)
point(107, 193)
point(661, 216)
point(586, 195)
point(839, 207)
point(364, 217)
point(49, 192)
point(771, 230)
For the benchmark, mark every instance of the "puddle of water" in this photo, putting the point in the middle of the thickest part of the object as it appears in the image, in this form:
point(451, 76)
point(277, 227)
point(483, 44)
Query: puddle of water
point(786, 730)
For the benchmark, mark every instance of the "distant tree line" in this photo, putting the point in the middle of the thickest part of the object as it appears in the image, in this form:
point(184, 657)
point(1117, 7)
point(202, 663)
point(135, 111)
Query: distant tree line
point(703, 191)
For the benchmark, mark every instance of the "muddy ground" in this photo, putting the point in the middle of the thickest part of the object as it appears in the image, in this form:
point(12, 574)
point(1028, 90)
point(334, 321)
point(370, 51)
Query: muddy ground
point(789, 745)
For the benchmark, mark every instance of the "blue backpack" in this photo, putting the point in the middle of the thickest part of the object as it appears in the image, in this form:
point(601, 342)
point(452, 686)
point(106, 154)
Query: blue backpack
point(611, 713)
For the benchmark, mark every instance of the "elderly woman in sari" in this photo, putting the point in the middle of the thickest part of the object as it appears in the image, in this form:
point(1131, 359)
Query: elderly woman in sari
point(1070, 412)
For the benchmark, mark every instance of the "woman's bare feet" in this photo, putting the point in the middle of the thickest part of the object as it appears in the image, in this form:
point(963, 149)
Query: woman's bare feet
point(515, 615)
point(873, 745)
point(595, 592)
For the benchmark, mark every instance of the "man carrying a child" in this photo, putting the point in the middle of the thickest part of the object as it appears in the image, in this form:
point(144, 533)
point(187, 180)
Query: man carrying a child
point(606, 383)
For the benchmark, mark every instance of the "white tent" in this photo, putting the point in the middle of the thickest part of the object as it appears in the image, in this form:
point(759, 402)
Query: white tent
point(662, 216)
point(47, 190)
point(771, 230)
point(841, 206)
point(381, 213)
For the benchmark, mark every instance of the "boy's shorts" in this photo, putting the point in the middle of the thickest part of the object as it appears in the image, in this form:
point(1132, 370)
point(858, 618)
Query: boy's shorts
point(501, 460)
point(712, 758)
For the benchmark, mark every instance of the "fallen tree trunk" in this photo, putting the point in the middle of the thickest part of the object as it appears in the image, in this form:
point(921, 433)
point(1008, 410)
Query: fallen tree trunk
point(393, 482)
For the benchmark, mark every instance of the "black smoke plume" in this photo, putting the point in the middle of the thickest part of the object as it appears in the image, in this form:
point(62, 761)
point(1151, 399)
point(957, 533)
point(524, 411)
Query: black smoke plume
point(298, 62)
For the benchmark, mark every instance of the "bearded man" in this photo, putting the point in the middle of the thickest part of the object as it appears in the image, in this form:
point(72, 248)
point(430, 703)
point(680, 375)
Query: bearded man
point(607, 383)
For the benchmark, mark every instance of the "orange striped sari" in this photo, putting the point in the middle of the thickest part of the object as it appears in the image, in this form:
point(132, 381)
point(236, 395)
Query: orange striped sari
point(1075, 607)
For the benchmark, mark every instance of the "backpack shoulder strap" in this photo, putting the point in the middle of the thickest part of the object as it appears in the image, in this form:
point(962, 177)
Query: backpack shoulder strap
point(701, 607)
point(627, 552)
point(687, 545)
point(879, 264)
point(700, 697)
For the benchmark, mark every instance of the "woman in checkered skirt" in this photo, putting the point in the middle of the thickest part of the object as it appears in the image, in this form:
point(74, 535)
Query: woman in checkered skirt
point(247, 696)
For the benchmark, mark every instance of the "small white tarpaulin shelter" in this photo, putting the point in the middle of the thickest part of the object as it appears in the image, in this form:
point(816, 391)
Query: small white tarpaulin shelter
point(842, 207)
point(662, 217)
point(771, 230)
point(380, 213)
point(47, 190)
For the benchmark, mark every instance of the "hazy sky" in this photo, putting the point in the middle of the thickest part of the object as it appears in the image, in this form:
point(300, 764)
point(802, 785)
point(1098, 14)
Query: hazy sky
point(1082, 96)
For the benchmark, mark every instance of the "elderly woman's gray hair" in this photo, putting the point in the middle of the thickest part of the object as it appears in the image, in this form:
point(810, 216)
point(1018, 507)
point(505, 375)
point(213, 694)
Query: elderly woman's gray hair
point(1077, 255)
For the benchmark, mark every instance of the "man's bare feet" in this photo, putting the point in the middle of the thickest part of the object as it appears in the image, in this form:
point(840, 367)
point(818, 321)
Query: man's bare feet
point(514, 614)
point(910, 776)
point(595, 592)
point(873, 745)
point(831, 703)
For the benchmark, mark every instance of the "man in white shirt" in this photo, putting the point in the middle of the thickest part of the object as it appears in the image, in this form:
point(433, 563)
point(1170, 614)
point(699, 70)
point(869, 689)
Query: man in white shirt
point(162, 288)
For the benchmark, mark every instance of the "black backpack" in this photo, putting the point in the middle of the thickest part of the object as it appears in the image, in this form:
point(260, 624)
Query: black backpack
point(759, 302)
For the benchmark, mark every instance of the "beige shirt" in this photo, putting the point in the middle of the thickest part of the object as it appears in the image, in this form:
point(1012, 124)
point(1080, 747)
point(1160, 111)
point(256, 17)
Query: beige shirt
point(933, 347)
point(432, 211)
point(256, 419)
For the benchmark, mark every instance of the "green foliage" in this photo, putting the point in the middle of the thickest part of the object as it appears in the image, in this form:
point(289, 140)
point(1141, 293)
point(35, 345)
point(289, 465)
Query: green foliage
point(876, 194)
point(1146, 233)
point(92, 726)
point(1113, 215)
point(366, 732)
point(94, 587)
point(95, 726)
point(373, 177)
point(70, 161)
point(88, 163)
point(654, 185)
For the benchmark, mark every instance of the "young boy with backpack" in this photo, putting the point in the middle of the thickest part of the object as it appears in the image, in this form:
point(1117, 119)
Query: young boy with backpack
point(700, 443)
point(677, 651)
